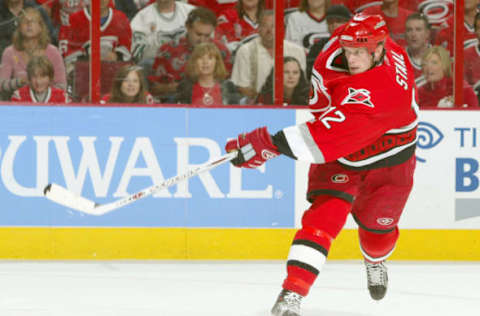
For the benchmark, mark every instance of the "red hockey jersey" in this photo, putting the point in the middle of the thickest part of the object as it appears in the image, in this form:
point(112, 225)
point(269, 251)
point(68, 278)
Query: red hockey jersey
point(363, 120)
point(54, 95)
point(216, 6)
point(116, 35)
point(445, 36)
point(233, 29)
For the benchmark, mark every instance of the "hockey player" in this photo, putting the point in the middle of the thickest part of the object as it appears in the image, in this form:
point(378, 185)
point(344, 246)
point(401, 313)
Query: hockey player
point(361, 145)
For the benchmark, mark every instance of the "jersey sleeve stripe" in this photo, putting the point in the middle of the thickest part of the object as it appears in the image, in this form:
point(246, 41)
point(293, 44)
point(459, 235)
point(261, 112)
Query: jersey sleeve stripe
point(302, 144)
point(124, 51)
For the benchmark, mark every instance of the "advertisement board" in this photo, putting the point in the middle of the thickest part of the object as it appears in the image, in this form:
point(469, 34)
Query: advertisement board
point(108, 153)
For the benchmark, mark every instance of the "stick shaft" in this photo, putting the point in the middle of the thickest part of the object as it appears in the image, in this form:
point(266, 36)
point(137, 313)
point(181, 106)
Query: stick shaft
point(64, 197)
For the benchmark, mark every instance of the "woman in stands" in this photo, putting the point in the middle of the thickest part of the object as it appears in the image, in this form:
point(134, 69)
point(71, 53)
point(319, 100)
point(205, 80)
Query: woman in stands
point(436, 91)
point(129, 86)
point(40, 74)
point(29, 39)
point(205, 82)
point(295, 86)
point(239, 24)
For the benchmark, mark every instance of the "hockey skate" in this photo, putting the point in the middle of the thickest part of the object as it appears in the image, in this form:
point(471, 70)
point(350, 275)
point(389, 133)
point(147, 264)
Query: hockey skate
point(287, 304)
point(377, 278)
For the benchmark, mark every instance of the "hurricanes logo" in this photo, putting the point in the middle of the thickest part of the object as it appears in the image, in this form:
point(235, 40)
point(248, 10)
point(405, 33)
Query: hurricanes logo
point(384, 221)
point(340, 178)
point(266, 154)
point(358, 96)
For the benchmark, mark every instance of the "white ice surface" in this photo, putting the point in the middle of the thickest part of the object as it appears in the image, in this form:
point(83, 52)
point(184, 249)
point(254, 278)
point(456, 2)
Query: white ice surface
point(186, 288)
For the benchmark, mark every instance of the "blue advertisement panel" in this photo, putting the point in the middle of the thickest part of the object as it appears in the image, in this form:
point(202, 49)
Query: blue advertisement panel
point(108, 153)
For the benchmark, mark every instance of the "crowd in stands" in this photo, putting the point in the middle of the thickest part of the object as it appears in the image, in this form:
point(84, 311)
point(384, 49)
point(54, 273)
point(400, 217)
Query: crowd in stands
point(215, 52)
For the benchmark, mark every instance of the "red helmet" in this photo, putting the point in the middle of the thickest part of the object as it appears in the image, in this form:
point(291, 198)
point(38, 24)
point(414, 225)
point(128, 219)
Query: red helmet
point(364, 31)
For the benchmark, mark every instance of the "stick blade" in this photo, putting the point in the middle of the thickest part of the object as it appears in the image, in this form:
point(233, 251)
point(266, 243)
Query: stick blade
point(62, 196)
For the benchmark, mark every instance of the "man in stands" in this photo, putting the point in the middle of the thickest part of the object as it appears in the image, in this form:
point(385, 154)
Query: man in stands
point(417, 37)
point(169, 65)
point(156, 24)
point(115, 37)
point(254, 59)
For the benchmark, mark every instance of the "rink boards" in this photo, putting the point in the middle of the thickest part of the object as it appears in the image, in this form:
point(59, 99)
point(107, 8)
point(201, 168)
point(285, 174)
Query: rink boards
point(106, 153)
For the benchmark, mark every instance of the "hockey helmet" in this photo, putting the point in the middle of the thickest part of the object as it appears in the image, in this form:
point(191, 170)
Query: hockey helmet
point(364, 31)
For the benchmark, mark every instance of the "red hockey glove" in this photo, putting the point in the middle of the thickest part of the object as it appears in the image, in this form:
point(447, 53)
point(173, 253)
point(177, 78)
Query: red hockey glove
point(253, 148)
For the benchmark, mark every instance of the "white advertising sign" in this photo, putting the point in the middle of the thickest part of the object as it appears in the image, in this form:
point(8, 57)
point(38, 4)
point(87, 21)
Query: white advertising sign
point(446, 192)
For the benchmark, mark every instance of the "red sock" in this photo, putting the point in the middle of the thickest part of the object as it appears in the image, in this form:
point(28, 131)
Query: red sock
point(377, 247)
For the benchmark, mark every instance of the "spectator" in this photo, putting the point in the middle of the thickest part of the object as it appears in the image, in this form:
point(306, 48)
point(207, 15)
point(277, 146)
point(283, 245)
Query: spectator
point(295, 86)
point(417, 37)
point(437, 91)
point(60, 10)
point(129, 86)
point(169, 66)
point(10, 11)
point(337, 15)
point(307, 25)
point(472, 60)
point(395, 17)
point(205, 82)
point(40, 74)
point(29, 39)
point(254, 60)
point(445, 36)
point(217, 6)
point(239, 24)
point(115, 36)
point(155, 25)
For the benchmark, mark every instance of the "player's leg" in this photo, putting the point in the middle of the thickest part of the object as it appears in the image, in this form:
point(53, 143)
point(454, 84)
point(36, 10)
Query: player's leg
point(377, 211)
point(376, 247)
point(321, 224)
point(309, 250)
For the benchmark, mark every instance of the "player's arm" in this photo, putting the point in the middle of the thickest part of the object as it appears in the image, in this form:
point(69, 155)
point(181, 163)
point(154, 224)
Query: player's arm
point(338, 132)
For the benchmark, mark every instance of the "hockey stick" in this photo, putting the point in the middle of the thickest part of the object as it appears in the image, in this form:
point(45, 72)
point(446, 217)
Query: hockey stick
point(60, 195)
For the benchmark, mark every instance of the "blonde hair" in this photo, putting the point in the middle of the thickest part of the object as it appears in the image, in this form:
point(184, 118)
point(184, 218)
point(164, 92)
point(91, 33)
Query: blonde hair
point(444, 56)
point(201, 50)
point(43, 37)
point(117, 96)
point(303, 7)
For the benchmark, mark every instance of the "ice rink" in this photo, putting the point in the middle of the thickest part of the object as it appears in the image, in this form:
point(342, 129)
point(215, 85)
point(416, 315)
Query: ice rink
point(179, 288)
